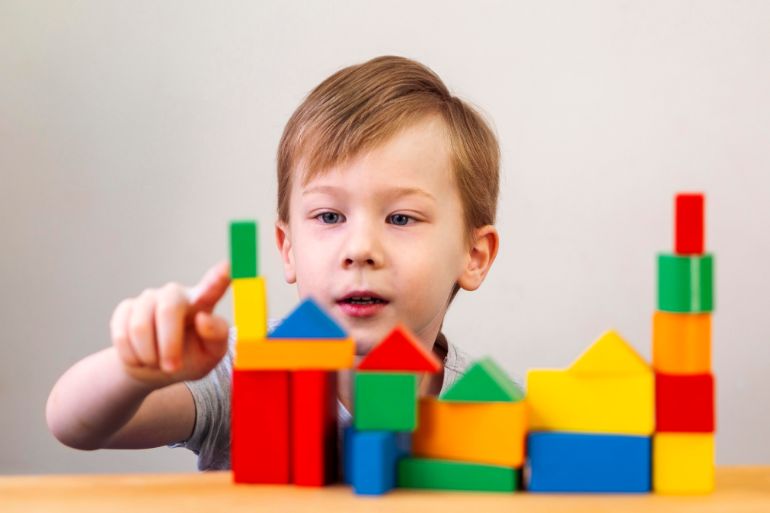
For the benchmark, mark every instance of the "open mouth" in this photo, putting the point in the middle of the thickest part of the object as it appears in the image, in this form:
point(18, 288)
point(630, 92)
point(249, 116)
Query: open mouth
point(362, 300)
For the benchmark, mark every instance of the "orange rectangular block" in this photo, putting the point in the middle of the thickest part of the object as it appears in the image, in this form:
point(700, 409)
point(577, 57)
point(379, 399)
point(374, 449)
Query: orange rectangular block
point(681, 343)
point(492, 433)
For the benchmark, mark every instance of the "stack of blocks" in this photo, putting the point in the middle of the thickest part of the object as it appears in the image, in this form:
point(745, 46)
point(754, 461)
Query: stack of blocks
point(386, 408)
point(470, 438)
point(591, 424)
point(284, 394)
point(684, 384)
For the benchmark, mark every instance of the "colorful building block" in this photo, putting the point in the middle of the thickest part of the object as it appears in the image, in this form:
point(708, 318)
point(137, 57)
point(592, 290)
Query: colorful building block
point(403, 449)
point(249, 308)
point(689, 224)
point(314, 427)
point(681, 343)
point(575, 462)
point(400, 351)
point(685, 283)
point(684, 403)
point(301, 354)
point(244, 261)
point(307, 320)
point(385, 401)
point(488, 433)
point(455, 475)
point(484, 381)
point(260, 427)
point(612, 392)
point(684, 463)
point(373, 461)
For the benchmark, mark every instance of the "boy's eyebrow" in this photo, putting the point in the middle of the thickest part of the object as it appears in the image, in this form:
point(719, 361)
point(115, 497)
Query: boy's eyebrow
point(391, 192)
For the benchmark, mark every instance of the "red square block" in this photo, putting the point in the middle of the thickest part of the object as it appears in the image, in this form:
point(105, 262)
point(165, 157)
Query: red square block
point(314, 427)
point(689, 224)
point(259, 449)
point(684, 403)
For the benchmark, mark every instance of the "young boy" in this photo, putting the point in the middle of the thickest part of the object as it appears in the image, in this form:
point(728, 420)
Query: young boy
point(387, 192)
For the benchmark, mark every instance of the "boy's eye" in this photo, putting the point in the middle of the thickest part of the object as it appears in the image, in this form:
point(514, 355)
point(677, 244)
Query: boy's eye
point(329, 217)
point(399, 219)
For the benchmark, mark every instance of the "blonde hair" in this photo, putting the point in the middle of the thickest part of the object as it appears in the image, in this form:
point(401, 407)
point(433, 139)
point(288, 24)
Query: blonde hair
point(362, 106)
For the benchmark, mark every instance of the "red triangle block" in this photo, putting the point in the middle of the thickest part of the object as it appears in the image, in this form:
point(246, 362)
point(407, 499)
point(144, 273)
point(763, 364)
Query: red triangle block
point(400, 351)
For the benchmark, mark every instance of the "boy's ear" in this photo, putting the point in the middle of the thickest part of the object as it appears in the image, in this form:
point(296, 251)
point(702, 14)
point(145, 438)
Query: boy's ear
point(481, 254)
point(283, 239)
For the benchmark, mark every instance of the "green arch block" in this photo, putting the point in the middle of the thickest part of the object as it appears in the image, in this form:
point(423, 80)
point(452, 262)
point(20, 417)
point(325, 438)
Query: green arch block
point(685, 283)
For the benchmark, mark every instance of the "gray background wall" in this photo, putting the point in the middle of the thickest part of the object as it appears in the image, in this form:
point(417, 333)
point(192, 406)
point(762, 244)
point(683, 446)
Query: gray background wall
point(132, 132)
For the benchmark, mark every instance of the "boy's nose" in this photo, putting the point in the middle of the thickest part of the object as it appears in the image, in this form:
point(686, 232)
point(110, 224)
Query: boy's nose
point(362, 249)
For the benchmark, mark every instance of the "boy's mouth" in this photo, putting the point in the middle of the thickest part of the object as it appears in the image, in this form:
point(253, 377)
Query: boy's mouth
point(361, 303)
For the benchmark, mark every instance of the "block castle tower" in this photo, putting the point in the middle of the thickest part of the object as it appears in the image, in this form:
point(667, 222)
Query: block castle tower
point(683, 447)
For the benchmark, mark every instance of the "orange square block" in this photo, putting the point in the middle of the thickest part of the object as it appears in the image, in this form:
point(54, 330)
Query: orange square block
point(681, 343)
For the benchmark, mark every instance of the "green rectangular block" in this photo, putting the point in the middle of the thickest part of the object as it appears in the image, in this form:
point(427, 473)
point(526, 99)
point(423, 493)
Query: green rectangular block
point(433, 474)
point(685, 283)
point(385, 401)
point(244, 261)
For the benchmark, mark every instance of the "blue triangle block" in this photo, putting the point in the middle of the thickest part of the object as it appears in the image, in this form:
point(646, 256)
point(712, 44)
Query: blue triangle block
point(308, 320)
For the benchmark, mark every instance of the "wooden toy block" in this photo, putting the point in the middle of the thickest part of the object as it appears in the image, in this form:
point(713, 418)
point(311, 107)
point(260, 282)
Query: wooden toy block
point(249, 308)
point(260, 427)
point(684, 463)
point(289, 354)
point(400, 351)
point(403, 449)
point(307, 320)
point(244, 261)
point(610, 354)
point(681, 343)
point(373, 462)
point(488, 433)
point(608, 389)
point(385, 401)
point(455, 475)
point(685, 283)
point(484, 381)
point(684, 403)
point(573, 462)
point(314, 427)
point(688, 238)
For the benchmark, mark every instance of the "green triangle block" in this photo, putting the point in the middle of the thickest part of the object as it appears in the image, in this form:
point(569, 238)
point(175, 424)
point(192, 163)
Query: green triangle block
point(484, 382)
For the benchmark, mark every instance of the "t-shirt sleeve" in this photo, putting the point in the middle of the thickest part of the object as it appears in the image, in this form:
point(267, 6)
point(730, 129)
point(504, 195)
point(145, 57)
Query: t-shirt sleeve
point(210, 438)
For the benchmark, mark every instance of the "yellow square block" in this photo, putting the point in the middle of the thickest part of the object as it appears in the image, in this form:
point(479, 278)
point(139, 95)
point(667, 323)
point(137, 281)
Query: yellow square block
point(291, 354)
point(249, 308)
point(560, 400)
point(683, 463)
point(491, 433)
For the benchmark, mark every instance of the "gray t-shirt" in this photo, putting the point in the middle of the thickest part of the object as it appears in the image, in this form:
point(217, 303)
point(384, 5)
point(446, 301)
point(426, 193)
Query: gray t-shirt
point(210, 438)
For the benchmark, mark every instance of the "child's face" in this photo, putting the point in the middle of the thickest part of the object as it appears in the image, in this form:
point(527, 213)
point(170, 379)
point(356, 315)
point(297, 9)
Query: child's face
point(386, 227)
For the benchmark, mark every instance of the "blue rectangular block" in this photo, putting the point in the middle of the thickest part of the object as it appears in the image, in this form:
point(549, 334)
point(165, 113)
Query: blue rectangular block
point(371, 458)
point(580, 462)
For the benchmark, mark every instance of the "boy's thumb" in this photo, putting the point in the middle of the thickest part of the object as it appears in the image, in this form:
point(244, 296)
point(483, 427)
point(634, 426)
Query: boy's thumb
point(211, 328)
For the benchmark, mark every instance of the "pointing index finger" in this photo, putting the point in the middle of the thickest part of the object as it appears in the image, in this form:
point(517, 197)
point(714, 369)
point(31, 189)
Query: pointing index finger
point(210, 289)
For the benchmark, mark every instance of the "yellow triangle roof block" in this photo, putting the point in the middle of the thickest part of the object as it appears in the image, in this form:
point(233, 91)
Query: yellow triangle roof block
point(610, 354)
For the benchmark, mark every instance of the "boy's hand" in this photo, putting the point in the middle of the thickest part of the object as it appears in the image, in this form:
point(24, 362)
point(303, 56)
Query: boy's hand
point(169, 334)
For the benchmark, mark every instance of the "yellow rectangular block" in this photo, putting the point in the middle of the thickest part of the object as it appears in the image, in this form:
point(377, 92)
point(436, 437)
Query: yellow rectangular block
point(683, 463)
point(291, 354)
point(249, 308)
point(492, 433)
point(560, 400)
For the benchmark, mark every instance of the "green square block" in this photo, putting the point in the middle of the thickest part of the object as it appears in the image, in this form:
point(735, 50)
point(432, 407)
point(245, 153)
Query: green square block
point(385, 401)
point(685, 283)
point(244, 262)
point(456, 475)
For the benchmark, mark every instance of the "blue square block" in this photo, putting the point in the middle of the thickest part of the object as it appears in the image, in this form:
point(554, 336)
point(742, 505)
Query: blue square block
point(371, 457)
point(582, 462)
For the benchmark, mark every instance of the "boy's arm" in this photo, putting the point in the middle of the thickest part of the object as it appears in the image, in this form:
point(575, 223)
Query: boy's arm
point(132, 394)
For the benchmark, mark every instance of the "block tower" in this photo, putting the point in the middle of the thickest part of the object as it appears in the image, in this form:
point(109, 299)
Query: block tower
point(591, 424)
point(683, 446)
point(284, 406)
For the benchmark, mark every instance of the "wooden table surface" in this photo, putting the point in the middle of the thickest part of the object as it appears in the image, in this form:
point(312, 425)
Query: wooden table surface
point(739, 489)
